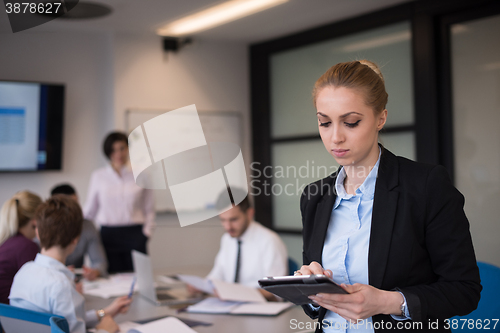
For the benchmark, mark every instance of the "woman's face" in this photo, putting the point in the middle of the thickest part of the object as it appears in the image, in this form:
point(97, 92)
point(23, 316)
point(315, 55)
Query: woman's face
point(119, 153)
point(348, 127)
point(29, 230)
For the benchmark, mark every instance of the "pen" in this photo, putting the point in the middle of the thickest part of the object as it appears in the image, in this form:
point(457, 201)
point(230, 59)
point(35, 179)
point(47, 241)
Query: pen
point(132, 288)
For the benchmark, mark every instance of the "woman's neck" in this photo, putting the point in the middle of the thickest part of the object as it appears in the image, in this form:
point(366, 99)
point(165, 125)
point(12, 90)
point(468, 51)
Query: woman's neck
point(117, 168)
point(24, 231)
point(356, 174)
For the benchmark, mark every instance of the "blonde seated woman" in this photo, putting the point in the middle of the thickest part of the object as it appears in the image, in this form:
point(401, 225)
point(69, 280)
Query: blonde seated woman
point(17, 229)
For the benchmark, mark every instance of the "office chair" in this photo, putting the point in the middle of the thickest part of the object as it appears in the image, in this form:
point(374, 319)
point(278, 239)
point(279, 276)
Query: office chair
point(292, 266)
point(58, 325)
point(18, 320)
point(488, 309)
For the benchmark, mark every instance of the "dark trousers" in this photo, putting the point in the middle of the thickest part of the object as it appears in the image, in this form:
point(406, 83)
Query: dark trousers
point(118, 243)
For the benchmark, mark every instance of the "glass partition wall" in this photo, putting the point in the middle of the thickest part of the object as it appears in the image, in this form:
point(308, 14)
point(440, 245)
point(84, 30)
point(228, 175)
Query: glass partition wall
point(475, 60)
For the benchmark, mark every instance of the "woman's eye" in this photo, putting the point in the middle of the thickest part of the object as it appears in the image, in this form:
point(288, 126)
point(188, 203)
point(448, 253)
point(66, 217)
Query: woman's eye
point(325, 124)
point(352, 124)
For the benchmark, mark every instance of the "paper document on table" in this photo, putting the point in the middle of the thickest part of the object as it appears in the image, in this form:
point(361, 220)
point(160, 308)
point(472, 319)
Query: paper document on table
point(165, 325)
point(213, 305)
point(237, 292)
point(127, 325)
point(216, 306)
point(262, 309)
point(199, 283)
point(118, 285)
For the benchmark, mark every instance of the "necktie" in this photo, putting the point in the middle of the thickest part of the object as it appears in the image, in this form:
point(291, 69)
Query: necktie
point(237, 273)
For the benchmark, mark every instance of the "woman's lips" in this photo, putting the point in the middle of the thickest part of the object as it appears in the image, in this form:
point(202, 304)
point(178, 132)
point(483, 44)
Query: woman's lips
point(339, 152)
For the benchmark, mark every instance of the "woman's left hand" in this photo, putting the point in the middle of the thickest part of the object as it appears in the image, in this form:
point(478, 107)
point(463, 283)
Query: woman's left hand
point(363, 301)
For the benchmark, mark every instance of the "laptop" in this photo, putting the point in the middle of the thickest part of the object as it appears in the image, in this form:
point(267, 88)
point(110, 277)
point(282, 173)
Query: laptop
point(159, 295)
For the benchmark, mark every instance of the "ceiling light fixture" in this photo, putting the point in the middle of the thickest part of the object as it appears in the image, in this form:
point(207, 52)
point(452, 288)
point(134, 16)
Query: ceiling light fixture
point(215, 16)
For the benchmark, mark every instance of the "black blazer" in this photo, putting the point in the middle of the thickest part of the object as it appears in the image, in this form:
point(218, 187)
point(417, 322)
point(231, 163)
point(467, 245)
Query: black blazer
point(420, 242)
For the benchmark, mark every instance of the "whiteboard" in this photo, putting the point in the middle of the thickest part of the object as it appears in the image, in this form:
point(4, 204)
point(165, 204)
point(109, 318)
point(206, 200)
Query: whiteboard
point(218, 126)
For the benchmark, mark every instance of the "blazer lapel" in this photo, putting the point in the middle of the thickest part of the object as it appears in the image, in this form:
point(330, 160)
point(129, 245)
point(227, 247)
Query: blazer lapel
point(384, 212)
point(322, 219)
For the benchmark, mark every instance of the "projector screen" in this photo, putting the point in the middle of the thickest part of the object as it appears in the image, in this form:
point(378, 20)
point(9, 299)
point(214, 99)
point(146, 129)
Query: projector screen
point(31, 119)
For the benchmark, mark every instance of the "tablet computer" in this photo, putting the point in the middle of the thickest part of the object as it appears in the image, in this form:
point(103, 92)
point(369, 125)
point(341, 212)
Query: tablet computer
point(296, 289)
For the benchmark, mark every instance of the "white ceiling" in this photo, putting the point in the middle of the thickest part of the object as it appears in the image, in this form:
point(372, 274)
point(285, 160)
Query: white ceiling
point(144, 16)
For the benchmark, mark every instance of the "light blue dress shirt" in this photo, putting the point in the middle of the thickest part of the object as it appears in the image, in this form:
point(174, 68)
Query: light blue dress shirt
point(345, 251)
point(47, 285)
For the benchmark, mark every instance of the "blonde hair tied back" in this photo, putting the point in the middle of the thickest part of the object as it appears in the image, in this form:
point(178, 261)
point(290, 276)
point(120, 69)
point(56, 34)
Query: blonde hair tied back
point(362, 75)
point(17, 212)
point(374, 67)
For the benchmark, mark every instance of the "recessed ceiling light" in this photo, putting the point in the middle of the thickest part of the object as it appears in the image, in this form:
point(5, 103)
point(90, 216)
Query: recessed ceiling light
point(215, 16)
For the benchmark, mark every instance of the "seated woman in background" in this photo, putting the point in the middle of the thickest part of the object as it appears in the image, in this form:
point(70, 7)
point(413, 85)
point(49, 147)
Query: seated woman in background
point(124, 210)
point(47, 285)
point(17, 229)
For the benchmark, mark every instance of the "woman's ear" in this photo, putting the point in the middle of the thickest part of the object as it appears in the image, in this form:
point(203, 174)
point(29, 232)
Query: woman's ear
point(382, 118)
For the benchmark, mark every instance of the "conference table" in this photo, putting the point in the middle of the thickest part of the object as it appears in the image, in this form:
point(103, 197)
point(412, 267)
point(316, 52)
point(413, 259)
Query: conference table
point(142, 309)
point(291, 320)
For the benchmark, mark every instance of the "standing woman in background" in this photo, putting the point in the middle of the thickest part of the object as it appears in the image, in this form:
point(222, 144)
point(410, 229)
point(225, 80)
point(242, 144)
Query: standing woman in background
point(392, 232)
point(17, 229)
point(124, 210)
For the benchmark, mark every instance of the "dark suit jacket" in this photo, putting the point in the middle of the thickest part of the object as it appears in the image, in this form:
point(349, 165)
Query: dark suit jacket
point(420, 242)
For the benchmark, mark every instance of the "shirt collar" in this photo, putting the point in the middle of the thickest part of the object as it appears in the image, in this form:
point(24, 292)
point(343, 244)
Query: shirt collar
point(366, 190)
point(127, 168)
point(46, 261)
point(247, 232)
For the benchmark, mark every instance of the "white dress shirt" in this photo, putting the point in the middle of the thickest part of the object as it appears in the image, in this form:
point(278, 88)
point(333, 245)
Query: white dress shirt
point(262, 254)
point(115, 200)
point(47, 285)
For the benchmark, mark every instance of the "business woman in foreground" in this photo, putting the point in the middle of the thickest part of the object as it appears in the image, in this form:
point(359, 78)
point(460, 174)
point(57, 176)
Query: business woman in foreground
point(391, 231)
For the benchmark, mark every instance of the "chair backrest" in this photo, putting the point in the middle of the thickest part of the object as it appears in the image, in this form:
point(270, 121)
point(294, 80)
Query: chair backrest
point(18, 320)
point(58, 325)
point(488, 311)
point(292, 266)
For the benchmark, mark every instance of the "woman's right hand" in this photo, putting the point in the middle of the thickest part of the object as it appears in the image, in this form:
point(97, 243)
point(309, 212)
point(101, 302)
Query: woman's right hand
point(313, 268)
point(108, 324)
